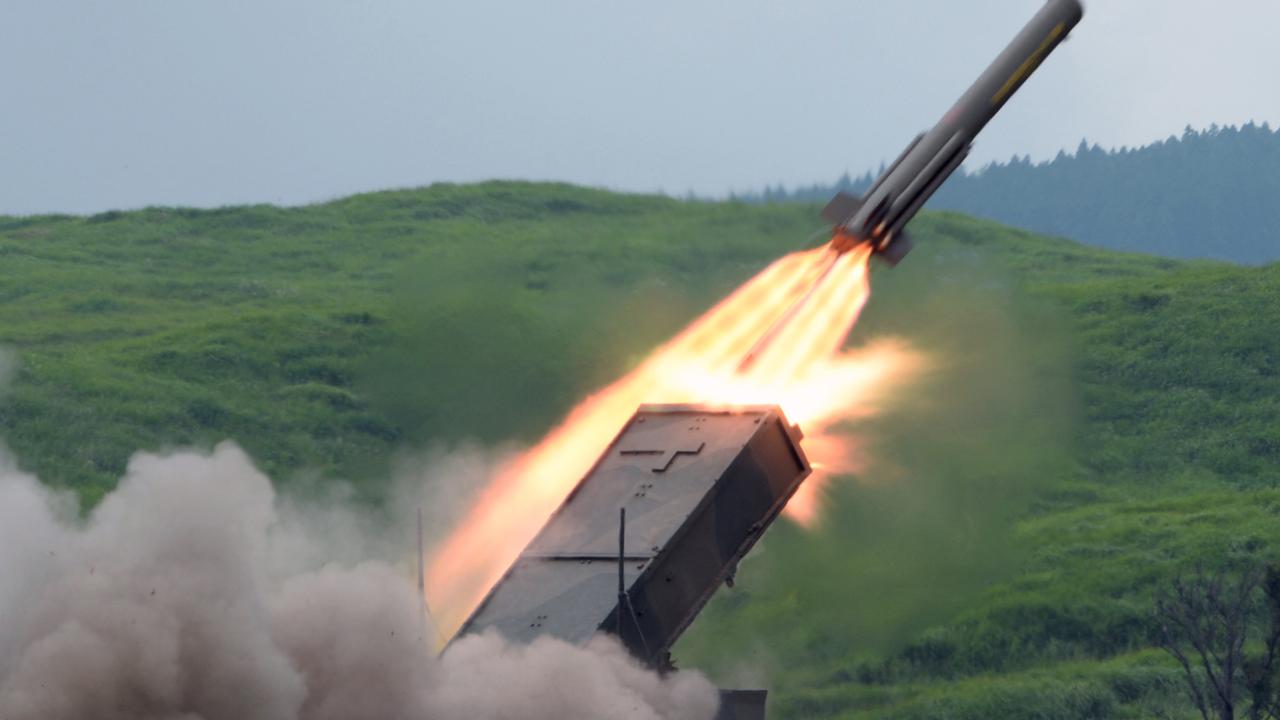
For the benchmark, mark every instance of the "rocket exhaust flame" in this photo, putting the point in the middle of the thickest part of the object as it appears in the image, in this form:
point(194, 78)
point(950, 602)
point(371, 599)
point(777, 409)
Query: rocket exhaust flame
point(776, 339)
point(827, 264)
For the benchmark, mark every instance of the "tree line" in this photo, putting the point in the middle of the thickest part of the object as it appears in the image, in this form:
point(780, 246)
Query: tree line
point(1211, 193)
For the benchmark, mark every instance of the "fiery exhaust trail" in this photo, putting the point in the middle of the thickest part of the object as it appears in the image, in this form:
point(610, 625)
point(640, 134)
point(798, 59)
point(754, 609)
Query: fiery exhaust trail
point(813, 282)
point(791, 319)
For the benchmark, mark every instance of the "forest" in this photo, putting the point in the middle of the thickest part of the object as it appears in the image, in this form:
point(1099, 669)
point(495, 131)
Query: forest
point(1207, 194)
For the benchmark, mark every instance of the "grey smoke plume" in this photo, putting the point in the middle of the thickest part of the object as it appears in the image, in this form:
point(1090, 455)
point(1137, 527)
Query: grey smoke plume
point(193, 591)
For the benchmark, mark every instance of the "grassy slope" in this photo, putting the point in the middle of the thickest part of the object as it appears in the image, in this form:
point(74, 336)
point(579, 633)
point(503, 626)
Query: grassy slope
point(1095, 421)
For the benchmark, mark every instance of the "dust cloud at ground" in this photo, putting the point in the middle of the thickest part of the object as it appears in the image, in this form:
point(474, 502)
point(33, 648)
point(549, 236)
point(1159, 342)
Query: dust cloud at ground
point(195, 591)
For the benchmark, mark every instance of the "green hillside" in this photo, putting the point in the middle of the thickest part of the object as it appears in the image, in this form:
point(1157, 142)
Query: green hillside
point(1093, 421)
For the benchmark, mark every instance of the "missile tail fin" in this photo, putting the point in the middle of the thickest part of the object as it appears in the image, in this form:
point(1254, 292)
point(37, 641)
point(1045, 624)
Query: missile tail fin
point(897, 249)
point(842, 207)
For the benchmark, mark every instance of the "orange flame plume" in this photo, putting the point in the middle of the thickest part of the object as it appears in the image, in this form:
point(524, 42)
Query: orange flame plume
point(803, 306)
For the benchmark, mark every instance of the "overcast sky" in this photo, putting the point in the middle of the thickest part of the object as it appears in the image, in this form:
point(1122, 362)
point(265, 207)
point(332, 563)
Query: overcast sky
point(126, 103)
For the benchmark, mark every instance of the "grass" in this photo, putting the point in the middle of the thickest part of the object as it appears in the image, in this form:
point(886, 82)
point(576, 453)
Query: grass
point(1095, 421)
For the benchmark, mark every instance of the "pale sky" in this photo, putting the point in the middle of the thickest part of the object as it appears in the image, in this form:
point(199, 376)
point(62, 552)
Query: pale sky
point(127, 103)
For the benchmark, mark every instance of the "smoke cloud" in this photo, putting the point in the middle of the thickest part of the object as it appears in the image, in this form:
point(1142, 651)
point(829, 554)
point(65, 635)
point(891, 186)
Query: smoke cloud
point(194, 591)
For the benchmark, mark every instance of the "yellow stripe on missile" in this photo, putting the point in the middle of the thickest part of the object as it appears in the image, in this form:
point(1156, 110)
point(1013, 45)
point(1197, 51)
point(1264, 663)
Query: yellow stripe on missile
point(1030, 65)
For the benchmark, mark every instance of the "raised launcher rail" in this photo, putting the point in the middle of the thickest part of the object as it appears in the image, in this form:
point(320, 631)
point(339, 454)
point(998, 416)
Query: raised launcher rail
point(697, 487)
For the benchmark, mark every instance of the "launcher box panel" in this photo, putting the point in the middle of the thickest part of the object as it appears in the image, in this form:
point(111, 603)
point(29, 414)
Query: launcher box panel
point(699, 487)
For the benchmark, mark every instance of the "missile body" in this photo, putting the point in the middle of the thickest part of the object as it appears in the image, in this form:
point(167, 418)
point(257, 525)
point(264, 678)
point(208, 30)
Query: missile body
point(898, 194)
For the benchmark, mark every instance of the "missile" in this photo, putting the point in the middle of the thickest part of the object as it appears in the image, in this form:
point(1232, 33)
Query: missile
point(880, 217)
